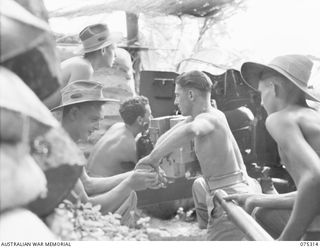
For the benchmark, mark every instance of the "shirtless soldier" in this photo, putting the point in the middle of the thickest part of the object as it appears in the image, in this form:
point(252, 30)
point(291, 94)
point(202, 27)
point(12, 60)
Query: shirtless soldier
point(216, 149)
point(81, 104)
point(296, 129)
point(115, 152)
point(98, 49)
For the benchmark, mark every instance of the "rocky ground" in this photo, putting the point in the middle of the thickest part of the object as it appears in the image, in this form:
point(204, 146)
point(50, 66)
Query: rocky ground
point(174, 229)
point(85, 222)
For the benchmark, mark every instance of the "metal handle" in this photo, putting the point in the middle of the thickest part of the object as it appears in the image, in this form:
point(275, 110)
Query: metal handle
point(242, 219)
point(164, 80)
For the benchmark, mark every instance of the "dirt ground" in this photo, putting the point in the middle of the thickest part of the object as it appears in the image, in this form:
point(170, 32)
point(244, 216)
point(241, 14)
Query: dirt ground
point(174, 229)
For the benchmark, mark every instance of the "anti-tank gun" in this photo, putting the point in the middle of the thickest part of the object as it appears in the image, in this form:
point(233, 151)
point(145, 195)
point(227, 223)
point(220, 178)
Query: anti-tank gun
point(181, 162)
point(181, 168)
point(245, 116)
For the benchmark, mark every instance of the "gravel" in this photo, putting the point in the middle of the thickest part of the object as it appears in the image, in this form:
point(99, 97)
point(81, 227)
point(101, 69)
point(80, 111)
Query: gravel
point(76, 222)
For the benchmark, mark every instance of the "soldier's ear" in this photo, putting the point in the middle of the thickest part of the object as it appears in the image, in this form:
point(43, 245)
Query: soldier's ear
point(140, 120)
point(74, 113)
point(276, 89)
point(191, 94)
point(103, 51)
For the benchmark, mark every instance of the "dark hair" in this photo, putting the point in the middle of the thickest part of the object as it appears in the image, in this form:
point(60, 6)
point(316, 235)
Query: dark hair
point(195, 79)
point(132, 108)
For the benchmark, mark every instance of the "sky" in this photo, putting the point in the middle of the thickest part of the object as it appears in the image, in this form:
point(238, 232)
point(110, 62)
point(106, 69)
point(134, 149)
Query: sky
point(116, 20)
point(273, 27)
point(266, 28)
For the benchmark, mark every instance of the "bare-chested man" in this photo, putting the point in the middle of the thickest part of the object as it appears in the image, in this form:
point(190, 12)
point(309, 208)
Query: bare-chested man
point(81, 105)
point(98, 49)
point(216, 149)
point(115, 152)
point(296, 129)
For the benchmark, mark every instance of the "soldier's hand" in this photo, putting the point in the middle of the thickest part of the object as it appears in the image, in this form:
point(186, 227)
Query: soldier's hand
point(245, 200)
point(161, 180)
point(142, 179)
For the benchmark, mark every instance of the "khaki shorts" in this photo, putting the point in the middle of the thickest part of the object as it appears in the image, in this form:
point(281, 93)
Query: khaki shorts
point(219, 227)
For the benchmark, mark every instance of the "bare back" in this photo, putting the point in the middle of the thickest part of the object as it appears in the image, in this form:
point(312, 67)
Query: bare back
point(76, 68)
point(309, 122)
point(218, 152)
point(113, 153)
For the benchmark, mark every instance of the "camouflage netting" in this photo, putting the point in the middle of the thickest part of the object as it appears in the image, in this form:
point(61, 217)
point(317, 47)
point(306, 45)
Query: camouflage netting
point(199, 8)
point(169, 31)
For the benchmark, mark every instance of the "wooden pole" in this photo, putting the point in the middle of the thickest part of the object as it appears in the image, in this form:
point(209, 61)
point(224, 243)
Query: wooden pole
point(133, 37)
point(132, 28)
point(242, 219)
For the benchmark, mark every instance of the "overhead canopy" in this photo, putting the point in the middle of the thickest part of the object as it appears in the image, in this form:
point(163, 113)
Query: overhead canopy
point(199, 8)
point(170, 24)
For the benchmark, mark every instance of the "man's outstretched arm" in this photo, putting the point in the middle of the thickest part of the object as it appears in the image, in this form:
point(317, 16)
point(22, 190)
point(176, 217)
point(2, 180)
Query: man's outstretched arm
point(111, 200)
point(99, 185)
point(169, 132)
point(179, 136)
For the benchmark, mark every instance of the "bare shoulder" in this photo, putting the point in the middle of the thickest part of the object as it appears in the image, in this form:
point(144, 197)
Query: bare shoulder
point(121, 136)
point(74, 61)
point(291, 121)
point(127, 141)
point(274, 119)
point(114, 133)
point(280, 121)
point(77, 65)
point(116, 142)
point(309, 115)
point(116, 126)
point(291, 117)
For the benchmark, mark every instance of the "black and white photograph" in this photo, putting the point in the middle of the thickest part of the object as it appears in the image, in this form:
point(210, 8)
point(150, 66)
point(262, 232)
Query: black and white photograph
point(127, 123)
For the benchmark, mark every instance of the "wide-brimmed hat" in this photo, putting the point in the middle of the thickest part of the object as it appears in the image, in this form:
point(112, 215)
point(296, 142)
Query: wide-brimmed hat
point(296, 68)
point(81, 91)
point(97, 36)
point(26, 36)
point(26, 122)
point(20, 30)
